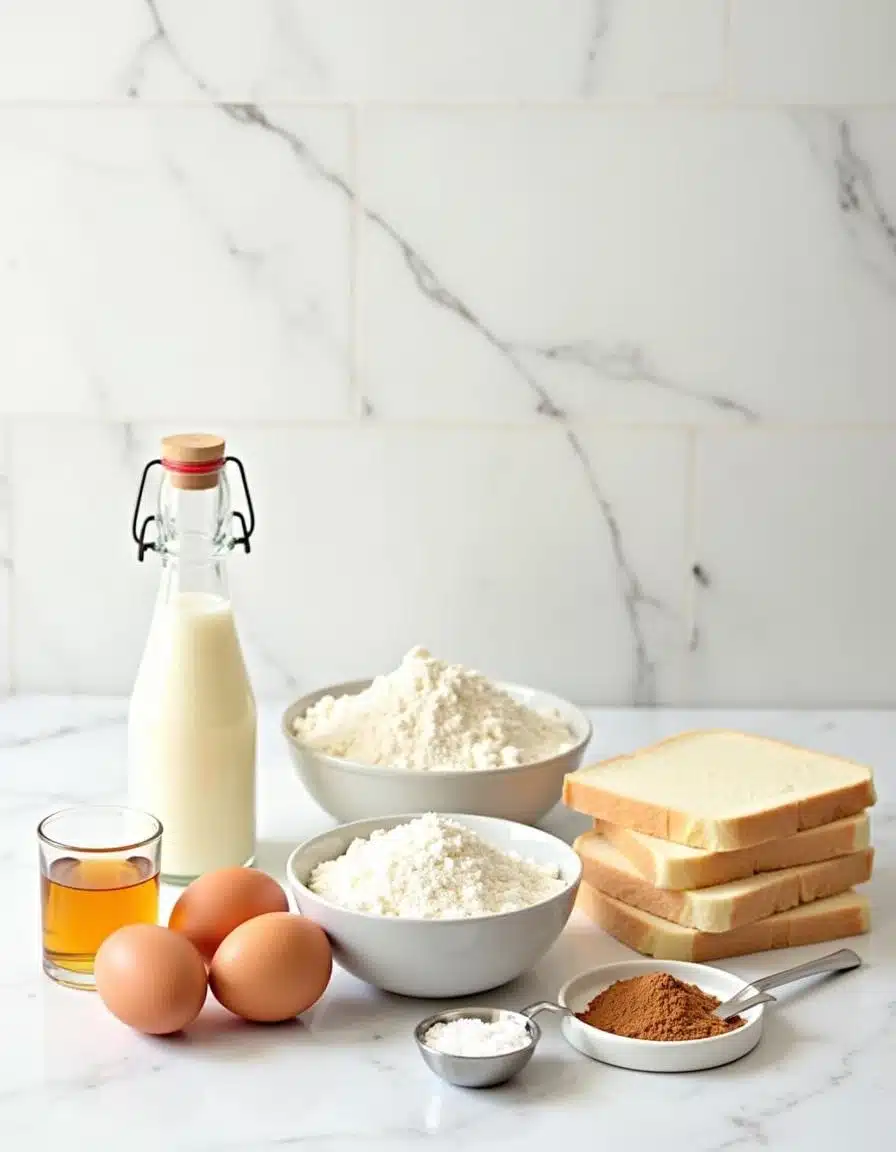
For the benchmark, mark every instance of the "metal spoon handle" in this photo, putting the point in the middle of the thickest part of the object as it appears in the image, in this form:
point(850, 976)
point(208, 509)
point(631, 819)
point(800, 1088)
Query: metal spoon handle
point(840, 961)
point(736, 1007)
point(544, 1006)
point(834, 962)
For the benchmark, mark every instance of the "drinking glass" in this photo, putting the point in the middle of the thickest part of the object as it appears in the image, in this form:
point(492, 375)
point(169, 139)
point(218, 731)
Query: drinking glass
point(99, 870)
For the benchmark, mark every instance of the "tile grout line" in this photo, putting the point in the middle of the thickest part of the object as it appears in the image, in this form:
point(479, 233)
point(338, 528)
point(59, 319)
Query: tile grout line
point(704, 101)
point(11, 677)
point(690, 574)
point(535, 423)
point(727, 55)
point(356, 400)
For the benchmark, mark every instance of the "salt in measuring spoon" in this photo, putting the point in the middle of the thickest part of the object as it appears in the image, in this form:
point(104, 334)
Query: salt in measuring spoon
point(483, 1071)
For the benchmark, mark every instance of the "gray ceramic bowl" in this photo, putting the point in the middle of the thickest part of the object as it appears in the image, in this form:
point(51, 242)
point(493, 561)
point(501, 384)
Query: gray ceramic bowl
point(439, 957)
point(348, 790)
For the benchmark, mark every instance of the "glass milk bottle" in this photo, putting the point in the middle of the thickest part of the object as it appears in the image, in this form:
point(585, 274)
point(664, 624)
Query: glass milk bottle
point(192, 722)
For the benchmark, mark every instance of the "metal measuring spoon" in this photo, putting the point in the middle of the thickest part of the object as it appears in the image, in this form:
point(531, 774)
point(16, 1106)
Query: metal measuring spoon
point(841, 961)
point(483, 1071)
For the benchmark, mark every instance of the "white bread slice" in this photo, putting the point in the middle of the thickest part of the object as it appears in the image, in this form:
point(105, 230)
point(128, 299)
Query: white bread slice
point(845, 915)
point(668, 865)
point(720, 790)
point(726, 906)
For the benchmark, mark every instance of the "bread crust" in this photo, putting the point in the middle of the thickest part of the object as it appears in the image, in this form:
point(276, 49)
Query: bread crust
point(807, 847)
point(755, 900)
point(583, 793)
point(647, 935)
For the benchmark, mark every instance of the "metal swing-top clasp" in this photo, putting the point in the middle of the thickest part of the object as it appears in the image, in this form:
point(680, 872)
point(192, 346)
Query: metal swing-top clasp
point(191, 463)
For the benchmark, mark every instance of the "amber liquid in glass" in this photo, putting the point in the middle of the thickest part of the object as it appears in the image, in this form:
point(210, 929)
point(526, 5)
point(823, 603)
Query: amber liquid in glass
point(84, 901)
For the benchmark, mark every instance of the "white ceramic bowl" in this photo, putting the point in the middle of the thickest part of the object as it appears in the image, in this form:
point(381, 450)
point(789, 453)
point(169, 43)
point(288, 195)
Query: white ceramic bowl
point(658, 1055)
point(348, 790)
point(439, 957)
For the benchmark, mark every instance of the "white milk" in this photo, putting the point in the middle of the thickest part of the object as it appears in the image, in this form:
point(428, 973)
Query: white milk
point(192, 736)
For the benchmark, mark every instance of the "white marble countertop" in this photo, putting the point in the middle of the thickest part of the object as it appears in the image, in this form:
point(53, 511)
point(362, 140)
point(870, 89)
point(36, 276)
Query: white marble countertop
point(348, 1074)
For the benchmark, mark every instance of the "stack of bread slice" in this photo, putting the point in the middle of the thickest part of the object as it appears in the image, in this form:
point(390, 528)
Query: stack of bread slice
point(718, 843)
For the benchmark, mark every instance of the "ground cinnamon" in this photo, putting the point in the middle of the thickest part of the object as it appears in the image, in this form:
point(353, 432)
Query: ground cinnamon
point(657, 1007)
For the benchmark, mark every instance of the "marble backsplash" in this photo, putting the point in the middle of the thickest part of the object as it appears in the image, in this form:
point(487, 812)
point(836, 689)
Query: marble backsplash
point(558, 337)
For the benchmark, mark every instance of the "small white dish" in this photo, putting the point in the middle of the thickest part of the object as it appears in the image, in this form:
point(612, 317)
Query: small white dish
point(435, 958)
point(657, 1055)
point(349, 790)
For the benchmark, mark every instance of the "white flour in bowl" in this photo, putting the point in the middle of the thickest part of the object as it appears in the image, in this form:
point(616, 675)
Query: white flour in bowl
point(432, 868)
point(429, 716)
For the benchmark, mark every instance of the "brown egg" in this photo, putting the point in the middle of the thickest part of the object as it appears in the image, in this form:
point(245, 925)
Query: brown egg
point(212, 906)
point(272, 968)
point(151, 979)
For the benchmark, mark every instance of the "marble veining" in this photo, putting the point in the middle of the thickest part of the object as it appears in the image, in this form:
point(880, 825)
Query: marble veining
point(600, 26)
point(348, 1075)
point(858, 196)
point(431, 285)
point(633, 594)
point(864, 215)
point(631, 364)
point(622, 364)
point(401, 50)
point(600, 220)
